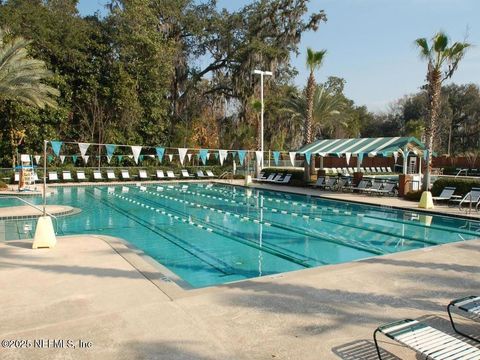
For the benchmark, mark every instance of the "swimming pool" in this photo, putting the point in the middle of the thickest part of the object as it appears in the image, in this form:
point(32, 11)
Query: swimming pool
point(211, 234)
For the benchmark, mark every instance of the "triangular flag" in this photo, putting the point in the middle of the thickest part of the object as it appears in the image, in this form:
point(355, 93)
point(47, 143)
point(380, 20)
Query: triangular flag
point(347, 157)
point(181, 153)
point(203, 153)
point(360, 158)
point(160, 153)
point(56, 146)
point(141, 157)
point(120, 157)
point(37, 159)
point(216, 155)
point(241, 156)
point(62, 158)
point(395, 156)
point(170, 157)
point(258, 156)
point(222, 155)
point(308, 157)
point(85, 158)
point(276, 157)
point(136, 152)
point(189, 157)
point(74, 159)
point(208, 156)
point(292, 157)
point(83, 148)
point(110, 150)
point(50, 158)
point(109, 158)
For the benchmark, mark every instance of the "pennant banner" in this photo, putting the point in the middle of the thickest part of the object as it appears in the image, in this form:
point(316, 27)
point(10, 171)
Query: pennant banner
point(141, 157)
point(241, 156)
point(189, 156)
point(292, 157)
point(50, 158)
point(136, 152)
point(222, 154)
point(56, 146)
point(170, 157)
point(109, 158)
point(258, 156)
point(203, 154)
point(395, 156)
point(360, 158)
point(308, 157)
point(83, 148)
point(182, 152)
point(347, 157)
point(216, 155)
point(276, 157)
point(119, 157)
point(62, 158)
point(85, 158)
point(110, 150)
point(160, 153)
point(74, 159)
point(37, 159)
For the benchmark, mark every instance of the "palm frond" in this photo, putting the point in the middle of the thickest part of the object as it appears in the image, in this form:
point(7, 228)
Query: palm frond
point(440, 42)
point(422, 43)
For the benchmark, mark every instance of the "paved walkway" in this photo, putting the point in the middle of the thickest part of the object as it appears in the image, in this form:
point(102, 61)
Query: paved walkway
point(85, 290)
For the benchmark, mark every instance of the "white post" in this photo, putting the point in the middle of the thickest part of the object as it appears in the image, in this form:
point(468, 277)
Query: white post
point(321, 162)
point(358, 163)
point(261, 119)
point(45, 177)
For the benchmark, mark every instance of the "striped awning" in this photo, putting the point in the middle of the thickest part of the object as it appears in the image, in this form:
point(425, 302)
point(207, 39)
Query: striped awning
point(383, 146)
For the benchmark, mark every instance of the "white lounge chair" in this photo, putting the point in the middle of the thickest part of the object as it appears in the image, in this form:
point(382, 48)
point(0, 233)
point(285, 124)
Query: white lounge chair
point(52, 176)
point(319, 181)
point(81, 175)
point(125, 174)
point(389, 169)
point(210, 174)
point(285, 180)
point(472, 198)
point(171, 175)
point(384, 170)
point(329, 183)
point(469, 308)
point(267, 179)
point(445, 195)
point(142, 174)
point(185, 174)
point(97, 175)
point(201, 175)
point(67, 176)
point(111, 175)
point(160, 175)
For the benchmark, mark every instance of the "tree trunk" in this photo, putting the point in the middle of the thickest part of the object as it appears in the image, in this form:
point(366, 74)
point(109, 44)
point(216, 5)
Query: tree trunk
point(309, 121)
point(434, 78)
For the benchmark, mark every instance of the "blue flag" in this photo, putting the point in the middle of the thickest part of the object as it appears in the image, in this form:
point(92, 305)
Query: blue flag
point(203, 153)
point(308, 157)
point(120, 157)
point(140, 157)
point(56, 146)
point(241, 155)
point(74, 158)
point(276, 157)
point(216, 155)
point(110, 149)
point(160, 153)
point(50, 158)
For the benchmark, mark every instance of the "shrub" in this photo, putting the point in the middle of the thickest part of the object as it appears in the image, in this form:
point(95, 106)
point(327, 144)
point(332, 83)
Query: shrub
point(413, 195)
point(462, 186)
point(3, 186)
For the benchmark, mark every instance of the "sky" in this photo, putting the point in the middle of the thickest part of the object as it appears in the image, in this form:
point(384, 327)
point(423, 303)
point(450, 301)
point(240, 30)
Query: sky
point(370, 43)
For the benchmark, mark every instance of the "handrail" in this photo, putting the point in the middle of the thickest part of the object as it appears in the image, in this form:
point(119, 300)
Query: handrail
point(225, 174)
point(35, 207)
point(462, 170)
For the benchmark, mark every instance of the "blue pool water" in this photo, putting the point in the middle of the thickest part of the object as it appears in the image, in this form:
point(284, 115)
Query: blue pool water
point(211, 234)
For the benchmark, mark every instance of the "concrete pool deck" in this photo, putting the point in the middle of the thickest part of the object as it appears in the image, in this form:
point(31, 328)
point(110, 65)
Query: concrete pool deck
point(88, 288)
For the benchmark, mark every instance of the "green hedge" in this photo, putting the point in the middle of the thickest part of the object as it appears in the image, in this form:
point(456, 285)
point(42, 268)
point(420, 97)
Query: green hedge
point(462, 186)
point(413, 195)
point(3, 186)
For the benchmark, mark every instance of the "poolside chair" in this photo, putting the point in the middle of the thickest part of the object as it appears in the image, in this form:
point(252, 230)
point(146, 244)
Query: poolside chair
point(171, 175)
point(276, 178)
point(472, 198)
point(201, 175)
point(378, 170)
point(333, 171)
point(160, 175)
point(52, 176)
point(362, 185)
point(329, 183)
point(67, 175)
point(376, 185)
point(468, 307)
point(81, 175)
point(389, 169)
point(142, 174)
point(210, 174)
point(341, 184)
point(185, 174)
point(384, 170)
point(268, 179)
point(426, 340)
point(319, 181)
point(388, 189)
point(285, 180)
point(125, 174)
point(111, 175)
point(97, 175)
point(445, 195)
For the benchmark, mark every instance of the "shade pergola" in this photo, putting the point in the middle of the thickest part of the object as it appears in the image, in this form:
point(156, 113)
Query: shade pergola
point(361, 147)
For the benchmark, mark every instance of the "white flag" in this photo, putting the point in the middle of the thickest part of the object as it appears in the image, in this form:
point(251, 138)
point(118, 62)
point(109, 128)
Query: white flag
point(395, 156)
point(189, 157)
point(62, 158)
point(136, 150)
point(292, 157)
point(347, 156)
point(222, 154)
point(182, 152)
point(85, 158)
point(37, 159)
point(83, 149)
point(208, 156)
point(170, 157)
point(109, 158)
point(258, 156)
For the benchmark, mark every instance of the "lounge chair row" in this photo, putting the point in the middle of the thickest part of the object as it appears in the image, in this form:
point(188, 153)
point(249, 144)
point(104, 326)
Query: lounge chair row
point(124, 175)
point(275, 178)
point(431, 342)
point(365, 170)
point(364, 186)
point(472, 198)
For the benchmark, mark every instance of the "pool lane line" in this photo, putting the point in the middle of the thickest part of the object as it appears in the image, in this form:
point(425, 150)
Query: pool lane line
point(348, 243)
point(316, 218)
point(156, 230)
point(245, 242)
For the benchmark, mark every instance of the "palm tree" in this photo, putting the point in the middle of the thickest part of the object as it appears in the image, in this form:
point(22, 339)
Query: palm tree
point(21, 79)
point(314, 62)
point(442, 61)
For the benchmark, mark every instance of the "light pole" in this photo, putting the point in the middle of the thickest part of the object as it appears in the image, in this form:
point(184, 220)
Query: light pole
point(262, 74)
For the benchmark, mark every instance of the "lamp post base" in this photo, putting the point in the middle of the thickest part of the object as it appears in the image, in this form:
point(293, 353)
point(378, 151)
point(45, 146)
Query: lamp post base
point(44, 233)
point(426, 201)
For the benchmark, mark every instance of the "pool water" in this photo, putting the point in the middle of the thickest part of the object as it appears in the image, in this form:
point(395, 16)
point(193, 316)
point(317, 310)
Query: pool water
point(211, 234)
